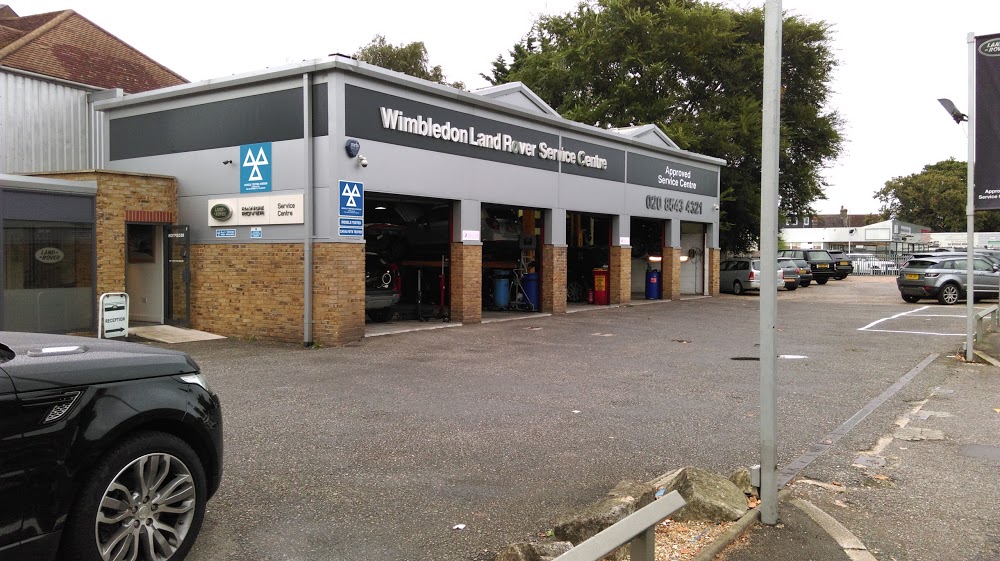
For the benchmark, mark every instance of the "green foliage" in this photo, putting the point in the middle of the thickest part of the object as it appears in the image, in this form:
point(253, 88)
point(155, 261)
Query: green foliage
point(409, 59)
point(935, 197)
point(696, 70)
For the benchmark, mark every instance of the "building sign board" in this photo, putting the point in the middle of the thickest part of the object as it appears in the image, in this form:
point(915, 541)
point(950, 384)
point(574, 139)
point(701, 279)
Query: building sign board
point(255, 168)
point(225, 233)
point(671, 175)
point(352, 198)
point(257, 210)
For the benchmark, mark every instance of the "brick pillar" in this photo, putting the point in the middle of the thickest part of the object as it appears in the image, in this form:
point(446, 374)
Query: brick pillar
point(338, 293)
point(620, 272)
point(671, 273)
point(466, 283)
point(554, 279)
point(713, 271)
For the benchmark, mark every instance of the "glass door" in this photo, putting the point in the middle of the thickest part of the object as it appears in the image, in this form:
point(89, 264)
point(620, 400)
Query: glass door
point(177, 285)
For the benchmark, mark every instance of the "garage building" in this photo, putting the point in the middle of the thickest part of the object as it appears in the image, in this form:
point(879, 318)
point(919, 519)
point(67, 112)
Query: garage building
point(290, 179)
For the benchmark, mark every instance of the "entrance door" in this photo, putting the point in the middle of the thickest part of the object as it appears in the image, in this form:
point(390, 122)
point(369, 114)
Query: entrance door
point(177, 282)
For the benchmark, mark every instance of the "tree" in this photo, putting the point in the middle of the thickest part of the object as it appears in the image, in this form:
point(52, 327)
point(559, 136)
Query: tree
point(935, 197)
point(409, 59)
point(696, 70)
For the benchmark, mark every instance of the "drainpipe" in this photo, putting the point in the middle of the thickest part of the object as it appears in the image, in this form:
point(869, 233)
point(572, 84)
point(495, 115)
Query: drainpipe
point(307, 212)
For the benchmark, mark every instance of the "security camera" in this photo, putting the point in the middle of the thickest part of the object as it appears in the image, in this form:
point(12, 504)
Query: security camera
point(363, 161)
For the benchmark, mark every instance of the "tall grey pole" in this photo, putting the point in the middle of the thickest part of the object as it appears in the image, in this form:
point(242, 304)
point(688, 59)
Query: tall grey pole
point(769, 263)
point(970, 203)
point(307, 211)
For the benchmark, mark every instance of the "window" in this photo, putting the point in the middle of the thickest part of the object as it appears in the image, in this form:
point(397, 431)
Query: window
point(47, 275)
point(805, 220)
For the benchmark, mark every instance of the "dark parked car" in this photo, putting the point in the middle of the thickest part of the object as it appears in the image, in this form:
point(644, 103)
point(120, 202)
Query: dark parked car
point(844, 265)
point(820, 262)
point(382, 288)
point(805, 273)
point(108, 450)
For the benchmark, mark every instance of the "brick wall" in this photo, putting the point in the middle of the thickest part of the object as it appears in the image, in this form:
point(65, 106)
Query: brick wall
point(554, 279)
point(620, 272)
point(466, 283)
point(713, 271)
point(123, 196)
point(671, 273)
point(338, 293)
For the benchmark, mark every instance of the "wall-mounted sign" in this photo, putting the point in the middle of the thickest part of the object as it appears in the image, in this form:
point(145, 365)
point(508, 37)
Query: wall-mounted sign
point(259, 210)
point(256, 233)
point(49, 255)
point(225, 233)
point(674, 176)
point(221, 212)
point(352, 198)
point(255, 168)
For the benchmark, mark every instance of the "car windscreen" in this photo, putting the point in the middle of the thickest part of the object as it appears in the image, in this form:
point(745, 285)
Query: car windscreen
point(818, 256)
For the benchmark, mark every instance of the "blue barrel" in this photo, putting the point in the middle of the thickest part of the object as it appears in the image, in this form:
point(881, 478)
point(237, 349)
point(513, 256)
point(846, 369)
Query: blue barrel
point(501, 289)
point(654, 287)
point(531, 289)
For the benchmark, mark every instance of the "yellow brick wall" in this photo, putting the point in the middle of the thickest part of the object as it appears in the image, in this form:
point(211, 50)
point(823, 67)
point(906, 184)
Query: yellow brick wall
point(338, 293)
point(117, 193)
point(248, 290)
point(620, 272)
point(466, 278)
point(554, 279)
point(671, 273)
point(713, 271)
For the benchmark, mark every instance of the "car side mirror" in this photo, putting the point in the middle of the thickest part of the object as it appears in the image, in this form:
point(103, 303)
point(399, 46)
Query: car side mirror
point(996, 268)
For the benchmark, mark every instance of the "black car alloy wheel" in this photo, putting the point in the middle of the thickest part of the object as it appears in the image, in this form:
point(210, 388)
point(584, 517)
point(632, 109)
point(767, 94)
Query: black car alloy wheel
point(144, 502)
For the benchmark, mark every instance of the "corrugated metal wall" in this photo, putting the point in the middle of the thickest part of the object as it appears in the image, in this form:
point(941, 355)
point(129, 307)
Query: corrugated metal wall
point(43, 126)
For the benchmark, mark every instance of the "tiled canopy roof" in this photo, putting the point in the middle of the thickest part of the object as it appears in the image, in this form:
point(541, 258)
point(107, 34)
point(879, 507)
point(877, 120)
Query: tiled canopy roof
point(68, 46)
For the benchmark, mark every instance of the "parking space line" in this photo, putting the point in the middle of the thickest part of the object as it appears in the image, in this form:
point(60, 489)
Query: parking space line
point(899, 315)
point(909, 312)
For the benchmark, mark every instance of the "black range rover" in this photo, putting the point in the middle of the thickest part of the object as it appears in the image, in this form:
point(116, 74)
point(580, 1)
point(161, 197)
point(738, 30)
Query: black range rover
point(108, 450)
point(823, 266)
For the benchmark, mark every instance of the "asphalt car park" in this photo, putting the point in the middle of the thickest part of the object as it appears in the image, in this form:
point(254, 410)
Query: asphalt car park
point(380, 449)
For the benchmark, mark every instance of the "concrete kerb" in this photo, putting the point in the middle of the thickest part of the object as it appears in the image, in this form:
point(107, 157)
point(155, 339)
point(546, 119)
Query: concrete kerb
point(741, 526)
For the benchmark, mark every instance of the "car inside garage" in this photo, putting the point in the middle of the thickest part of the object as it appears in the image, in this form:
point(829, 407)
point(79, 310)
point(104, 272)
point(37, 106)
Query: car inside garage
point(407, 251)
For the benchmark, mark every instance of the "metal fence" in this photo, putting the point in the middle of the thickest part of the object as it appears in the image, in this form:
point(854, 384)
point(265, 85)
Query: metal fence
point(876, 263)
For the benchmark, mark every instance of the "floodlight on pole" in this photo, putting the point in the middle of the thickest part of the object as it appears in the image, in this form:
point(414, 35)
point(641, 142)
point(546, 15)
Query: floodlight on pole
point(957, 115)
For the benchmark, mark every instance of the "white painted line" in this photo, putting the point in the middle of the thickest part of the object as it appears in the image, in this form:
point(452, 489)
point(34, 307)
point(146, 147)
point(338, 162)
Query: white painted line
point(878, 321)
point(914, 332)
point(533, 315)
point(411, 330)
point(792, 356)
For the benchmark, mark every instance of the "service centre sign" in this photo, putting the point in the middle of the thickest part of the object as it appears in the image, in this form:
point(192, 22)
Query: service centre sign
point(395, 120)
point(256, 211)
point(674, 176)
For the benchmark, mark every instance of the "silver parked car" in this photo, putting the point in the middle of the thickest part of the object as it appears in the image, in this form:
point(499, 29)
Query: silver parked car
point(944, 278)
point(740, 274)
point(790, 272)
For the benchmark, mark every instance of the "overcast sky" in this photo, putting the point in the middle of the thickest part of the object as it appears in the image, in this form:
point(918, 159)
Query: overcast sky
point(896, 58)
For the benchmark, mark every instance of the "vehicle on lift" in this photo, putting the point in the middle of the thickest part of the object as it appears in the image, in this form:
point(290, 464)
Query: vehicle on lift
point(108, 449)
point(823, 266)
point(382, 288)
point(741, 274)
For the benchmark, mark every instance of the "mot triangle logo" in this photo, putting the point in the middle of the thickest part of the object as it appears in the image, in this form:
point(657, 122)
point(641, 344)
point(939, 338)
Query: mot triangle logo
point(352, 193)
point(255, 161)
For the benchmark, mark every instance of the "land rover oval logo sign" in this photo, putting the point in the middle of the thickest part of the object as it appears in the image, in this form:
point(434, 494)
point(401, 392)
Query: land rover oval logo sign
point(49, 255)
point(221, 212)
point(990, 48)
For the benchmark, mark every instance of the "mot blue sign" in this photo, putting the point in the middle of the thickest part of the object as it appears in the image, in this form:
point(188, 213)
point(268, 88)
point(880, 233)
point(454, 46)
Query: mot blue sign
point(352, 198)
point(255, 168)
